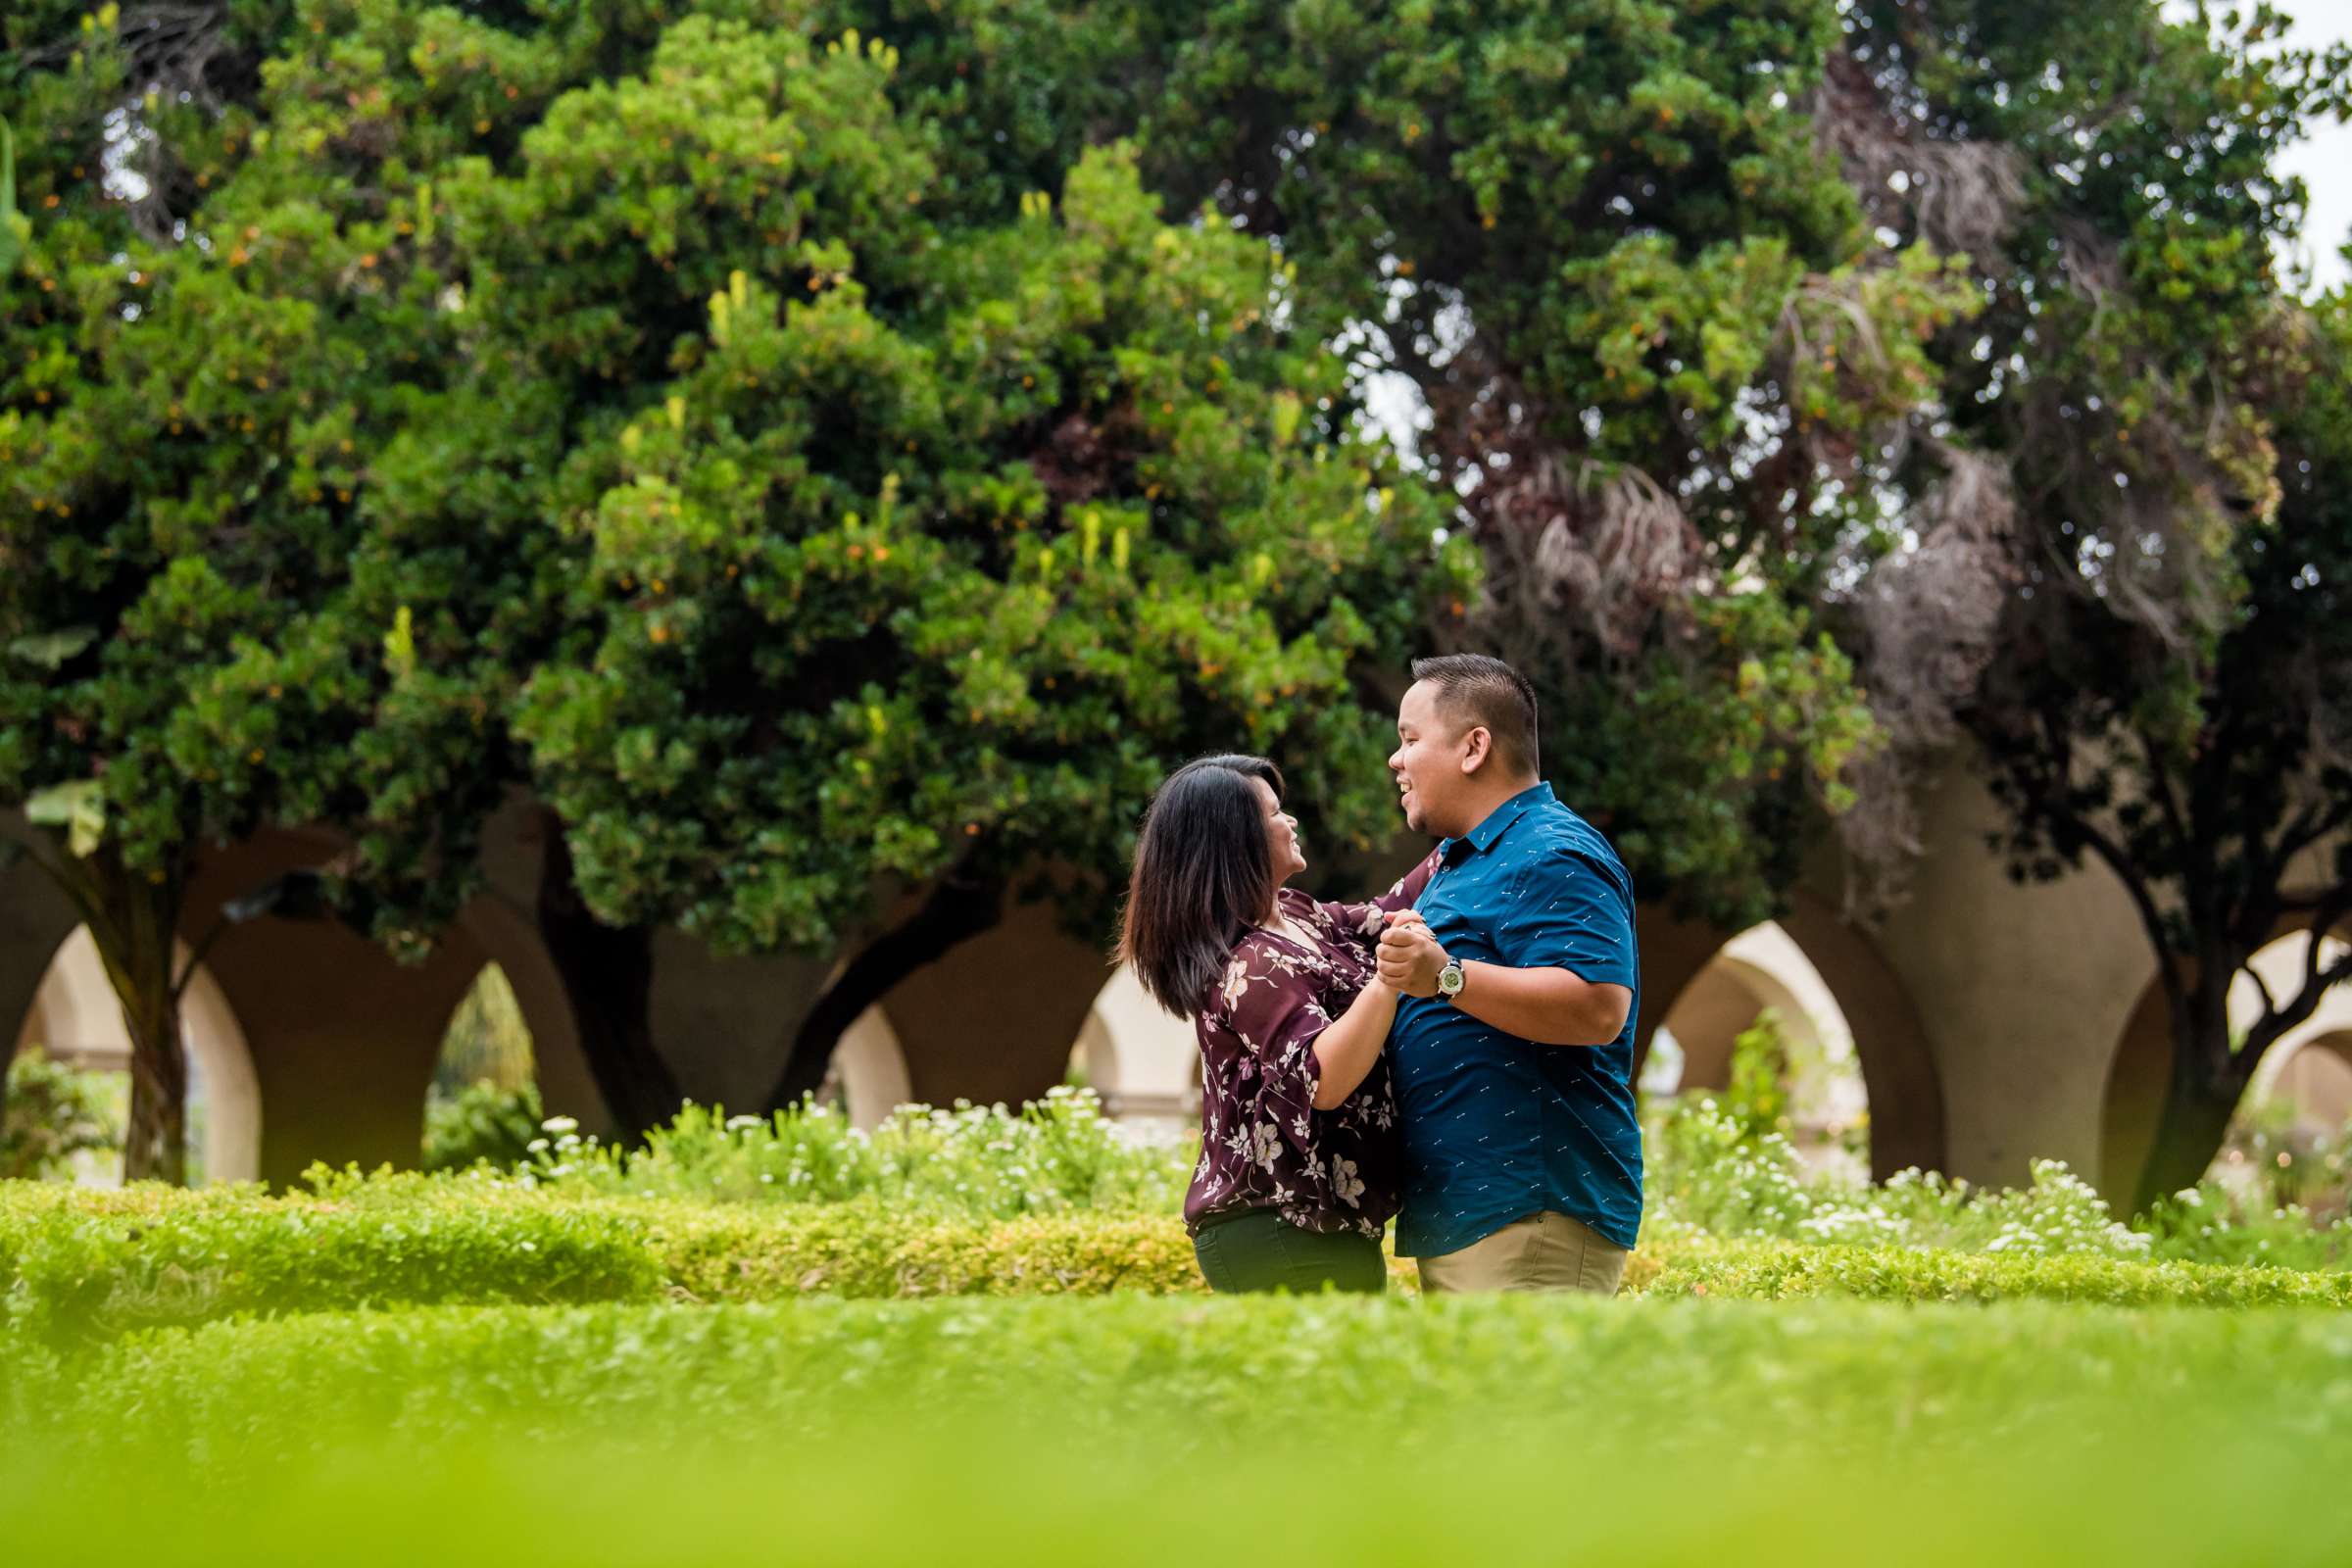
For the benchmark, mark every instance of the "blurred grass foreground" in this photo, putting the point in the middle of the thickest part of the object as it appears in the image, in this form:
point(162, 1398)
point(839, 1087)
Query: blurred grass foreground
point(974, 1336)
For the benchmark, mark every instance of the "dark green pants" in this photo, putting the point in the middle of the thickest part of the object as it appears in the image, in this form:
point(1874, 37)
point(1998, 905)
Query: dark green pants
point(1256, 1249)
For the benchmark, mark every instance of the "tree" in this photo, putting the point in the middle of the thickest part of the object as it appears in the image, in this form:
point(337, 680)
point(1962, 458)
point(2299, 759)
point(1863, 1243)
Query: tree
point(898, 558)
point(1663, 354)
point(198, 350)
point(2134, 615)
point(333, 508)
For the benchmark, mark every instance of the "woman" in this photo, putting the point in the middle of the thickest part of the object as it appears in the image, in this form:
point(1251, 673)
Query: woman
point(1299, 1146)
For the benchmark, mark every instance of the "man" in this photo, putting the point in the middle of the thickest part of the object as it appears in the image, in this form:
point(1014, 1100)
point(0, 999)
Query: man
point(1513, 1052)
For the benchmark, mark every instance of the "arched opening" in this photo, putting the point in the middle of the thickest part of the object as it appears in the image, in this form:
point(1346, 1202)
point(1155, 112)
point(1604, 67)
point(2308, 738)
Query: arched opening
point(1143, 1063)
point(867, 1079)
point(76, 1023)
point(2312, 1085)
point(483, 1100)
point(2143, 1062)
point(1832, 976)
point(1763, 977)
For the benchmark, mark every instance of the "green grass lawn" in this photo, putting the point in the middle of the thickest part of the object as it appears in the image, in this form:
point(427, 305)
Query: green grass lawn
point(1131, 1429)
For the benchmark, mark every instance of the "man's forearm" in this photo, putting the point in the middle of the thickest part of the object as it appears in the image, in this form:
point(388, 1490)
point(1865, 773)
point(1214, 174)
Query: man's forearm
point(1550, 1006)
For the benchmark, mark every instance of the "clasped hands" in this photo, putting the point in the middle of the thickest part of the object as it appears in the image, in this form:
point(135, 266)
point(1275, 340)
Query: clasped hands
point(1409, 957)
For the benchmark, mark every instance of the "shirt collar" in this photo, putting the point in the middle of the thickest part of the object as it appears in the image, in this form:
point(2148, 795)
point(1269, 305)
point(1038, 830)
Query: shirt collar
point(1495, 822)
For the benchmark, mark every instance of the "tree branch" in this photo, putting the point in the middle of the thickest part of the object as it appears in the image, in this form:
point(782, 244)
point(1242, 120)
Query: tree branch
point(2316, 983)
point(78, 892)
point(955, 911)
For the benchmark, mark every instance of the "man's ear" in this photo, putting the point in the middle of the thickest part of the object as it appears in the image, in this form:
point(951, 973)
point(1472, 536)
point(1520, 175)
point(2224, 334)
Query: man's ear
point(1476, 746)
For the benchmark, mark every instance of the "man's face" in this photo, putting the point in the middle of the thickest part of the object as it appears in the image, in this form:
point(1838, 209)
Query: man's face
point(1427, 764)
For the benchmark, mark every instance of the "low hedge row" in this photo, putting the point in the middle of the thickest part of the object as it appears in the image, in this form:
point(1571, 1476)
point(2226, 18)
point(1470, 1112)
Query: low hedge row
point(1084, 1431)
point(77, 1266)
point(75, 1269)
point(1773, 1271)
point(1815, 1372)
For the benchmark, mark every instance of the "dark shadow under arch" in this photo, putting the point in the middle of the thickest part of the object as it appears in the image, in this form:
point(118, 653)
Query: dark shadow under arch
point(1890, 1046)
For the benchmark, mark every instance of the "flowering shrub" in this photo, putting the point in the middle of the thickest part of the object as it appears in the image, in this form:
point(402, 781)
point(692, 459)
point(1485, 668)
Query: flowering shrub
point(1713, 1174)
point(479, 1122)
point(1053, 1156)
point(2215, 1223)
point(50, 1112)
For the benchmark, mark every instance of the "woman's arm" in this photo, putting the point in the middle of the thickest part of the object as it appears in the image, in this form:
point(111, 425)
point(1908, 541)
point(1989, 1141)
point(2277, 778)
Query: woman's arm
point(1346, 1050)
point(1365, 922)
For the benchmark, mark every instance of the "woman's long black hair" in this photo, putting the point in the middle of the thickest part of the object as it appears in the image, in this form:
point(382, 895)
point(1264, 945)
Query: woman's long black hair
point(1203, 876)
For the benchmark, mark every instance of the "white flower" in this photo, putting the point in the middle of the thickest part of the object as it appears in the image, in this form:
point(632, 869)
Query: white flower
point(560, 1125)
point(1265, 1141)
point(1346, 1182)
point(1237, 980)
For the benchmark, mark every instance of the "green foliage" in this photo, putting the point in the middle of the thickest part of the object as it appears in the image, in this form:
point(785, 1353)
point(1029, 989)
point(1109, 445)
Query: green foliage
point(487, 1040)
point(676, 414)
point(2164, 414)
point(2211, 1224)
point(865, 576)
point(1664, 356)
point(82, 1268)
point(2277, 1194)
point(13, 224)
point(934, 1431)
point(1444, 1394)
point(1757, 1097)
point(49, 1113)
point(1717, 1174)
point(1052, 1157)
point(976, 1203)
point(480, 1122)
point(1766, 1272)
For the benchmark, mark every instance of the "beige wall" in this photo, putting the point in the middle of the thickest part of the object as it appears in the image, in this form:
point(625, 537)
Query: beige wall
point(2021, 990)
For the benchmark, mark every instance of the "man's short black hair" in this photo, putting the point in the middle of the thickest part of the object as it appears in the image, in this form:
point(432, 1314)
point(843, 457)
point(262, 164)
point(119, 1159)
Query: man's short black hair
point(1473, 689)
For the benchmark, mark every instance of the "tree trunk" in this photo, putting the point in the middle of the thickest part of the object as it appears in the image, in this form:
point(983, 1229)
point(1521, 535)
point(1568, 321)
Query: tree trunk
point(955, 911)
point(2189, 1129)
point(608, 974)
point(155, 1146)
point(135, 939)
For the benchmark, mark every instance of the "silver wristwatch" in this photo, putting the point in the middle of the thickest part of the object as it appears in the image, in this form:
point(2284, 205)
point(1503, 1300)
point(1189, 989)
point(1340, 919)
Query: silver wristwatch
point(1449, 979)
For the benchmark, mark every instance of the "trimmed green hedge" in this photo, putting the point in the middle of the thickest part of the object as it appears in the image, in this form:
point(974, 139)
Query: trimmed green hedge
point(831, 1431)
point(1831, 1373)
point(77, 1265)
point(1772, 1271)
point(93, 1268)
point(83, 1266)
point(861, 1250)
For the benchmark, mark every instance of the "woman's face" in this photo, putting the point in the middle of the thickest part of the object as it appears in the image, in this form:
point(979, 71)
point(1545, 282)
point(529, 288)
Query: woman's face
point(1282, 834)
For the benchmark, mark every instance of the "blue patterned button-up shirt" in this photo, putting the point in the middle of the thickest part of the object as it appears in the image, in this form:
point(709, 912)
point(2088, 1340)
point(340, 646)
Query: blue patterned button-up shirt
point(1495, 1127)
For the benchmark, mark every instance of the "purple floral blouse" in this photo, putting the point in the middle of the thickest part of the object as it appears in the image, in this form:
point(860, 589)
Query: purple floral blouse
point(1263, 1145)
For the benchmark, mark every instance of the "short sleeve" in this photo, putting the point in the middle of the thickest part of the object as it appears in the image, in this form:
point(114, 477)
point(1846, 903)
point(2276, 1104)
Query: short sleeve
point(1363, 922)
point(1270, 1011)
point(1569, 911)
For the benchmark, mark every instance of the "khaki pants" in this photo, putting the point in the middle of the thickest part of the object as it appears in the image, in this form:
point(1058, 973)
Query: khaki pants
point(1544, 1251)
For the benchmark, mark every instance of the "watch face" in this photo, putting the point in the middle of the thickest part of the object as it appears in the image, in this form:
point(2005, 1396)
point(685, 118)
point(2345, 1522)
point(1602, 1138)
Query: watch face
point(1449, 979)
